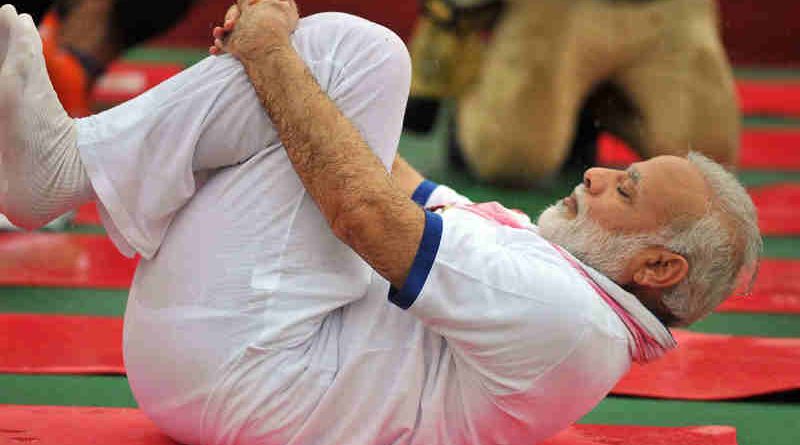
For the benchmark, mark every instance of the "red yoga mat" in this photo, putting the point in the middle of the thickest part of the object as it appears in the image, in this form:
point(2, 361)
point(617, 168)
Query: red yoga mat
point(87, 215)
point(778, 206)
point(776, 290)
point(60, 344)
point(126, 80)
point(717, 367)
point(644, 435)
point(62, 260)
point(69, 425)
point(769, 97)
point(763, 149)
point(63, 425)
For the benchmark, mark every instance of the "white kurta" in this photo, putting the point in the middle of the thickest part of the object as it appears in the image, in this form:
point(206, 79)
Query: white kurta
point(248, 322)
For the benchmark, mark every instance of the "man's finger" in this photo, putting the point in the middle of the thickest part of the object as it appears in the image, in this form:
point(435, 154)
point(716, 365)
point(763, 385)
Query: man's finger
point(233, 13)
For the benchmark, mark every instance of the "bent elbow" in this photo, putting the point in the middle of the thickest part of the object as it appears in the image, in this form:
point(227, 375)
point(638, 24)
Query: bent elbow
point(350, 224)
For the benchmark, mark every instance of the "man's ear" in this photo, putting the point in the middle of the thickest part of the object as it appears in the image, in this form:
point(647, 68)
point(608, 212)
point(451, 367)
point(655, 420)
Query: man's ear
point(659, 268)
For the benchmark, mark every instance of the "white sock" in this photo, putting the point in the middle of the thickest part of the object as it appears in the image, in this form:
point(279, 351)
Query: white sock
point(41, 174)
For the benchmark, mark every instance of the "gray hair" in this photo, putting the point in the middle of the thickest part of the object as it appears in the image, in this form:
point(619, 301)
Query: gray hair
point(721, 247)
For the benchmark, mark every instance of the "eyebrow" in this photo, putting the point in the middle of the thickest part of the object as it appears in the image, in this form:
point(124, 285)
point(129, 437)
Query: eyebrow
point(634, 174)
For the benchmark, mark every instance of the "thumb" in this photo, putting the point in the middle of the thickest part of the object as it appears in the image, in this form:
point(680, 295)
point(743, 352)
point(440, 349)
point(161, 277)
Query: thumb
point(233, 13)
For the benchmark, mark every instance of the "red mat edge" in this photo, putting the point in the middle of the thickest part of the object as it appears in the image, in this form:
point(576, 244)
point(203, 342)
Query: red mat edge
point(620, 387)
point(130, 426)
point(107, 356)
point(116, 272)
point(613, 152)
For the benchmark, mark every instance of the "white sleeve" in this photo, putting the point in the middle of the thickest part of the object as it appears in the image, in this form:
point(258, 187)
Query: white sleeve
point(430, 194)
point(502, 308)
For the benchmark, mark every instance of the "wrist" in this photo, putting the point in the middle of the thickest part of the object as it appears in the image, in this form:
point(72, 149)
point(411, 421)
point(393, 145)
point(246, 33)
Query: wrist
point(265, 55)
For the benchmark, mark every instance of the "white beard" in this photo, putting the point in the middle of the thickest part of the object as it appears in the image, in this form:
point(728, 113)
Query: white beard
point(607, 252)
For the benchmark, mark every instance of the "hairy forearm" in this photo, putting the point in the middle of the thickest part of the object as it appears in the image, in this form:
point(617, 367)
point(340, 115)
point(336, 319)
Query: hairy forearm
point(352, 188)
point(406, 177)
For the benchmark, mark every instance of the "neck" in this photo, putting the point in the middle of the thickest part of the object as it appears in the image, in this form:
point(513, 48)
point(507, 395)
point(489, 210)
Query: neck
point(652, 300)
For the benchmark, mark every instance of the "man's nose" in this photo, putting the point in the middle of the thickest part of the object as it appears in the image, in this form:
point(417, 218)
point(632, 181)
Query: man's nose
point(595, 179)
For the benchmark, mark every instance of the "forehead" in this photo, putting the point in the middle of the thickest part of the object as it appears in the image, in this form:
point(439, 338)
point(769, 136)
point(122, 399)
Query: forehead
point(671, 186)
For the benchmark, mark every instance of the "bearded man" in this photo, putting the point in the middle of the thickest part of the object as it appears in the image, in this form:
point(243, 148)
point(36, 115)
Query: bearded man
point(271, 241)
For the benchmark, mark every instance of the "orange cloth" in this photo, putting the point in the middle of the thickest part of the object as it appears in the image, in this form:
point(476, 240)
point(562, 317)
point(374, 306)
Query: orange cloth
point(66, 73)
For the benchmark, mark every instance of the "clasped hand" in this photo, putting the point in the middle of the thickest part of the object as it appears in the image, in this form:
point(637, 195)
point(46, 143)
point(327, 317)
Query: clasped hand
point(255, 27)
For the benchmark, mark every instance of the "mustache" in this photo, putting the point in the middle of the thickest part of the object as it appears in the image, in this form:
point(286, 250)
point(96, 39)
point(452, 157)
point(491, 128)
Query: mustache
point(579, 194)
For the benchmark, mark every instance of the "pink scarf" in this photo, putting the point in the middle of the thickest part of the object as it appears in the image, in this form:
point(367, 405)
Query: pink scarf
point(645, 347)
point(495, 211)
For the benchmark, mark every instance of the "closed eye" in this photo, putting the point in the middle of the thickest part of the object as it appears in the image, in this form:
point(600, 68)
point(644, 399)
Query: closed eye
point(623, 193)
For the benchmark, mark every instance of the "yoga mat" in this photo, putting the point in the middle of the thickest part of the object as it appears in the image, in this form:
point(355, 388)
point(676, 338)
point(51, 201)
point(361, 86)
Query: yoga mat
point(770, 97)
point(60, 344)
point(63, 425)
point(62, 260)
point(66, 425)
point(778, 206)
point(644, 435)
point(776, 290)
point(87, 215)
point(126, 80)
point(717, 367)
point(761, 149)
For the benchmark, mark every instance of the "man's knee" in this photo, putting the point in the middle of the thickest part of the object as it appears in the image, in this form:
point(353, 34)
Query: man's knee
point(352, 34)
point(358, 47)
point(395, 57)
point(382, 49)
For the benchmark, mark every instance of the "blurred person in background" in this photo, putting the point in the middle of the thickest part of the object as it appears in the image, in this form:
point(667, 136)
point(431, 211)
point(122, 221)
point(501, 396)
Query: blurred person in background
point(82, 37)
point(525, 74)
